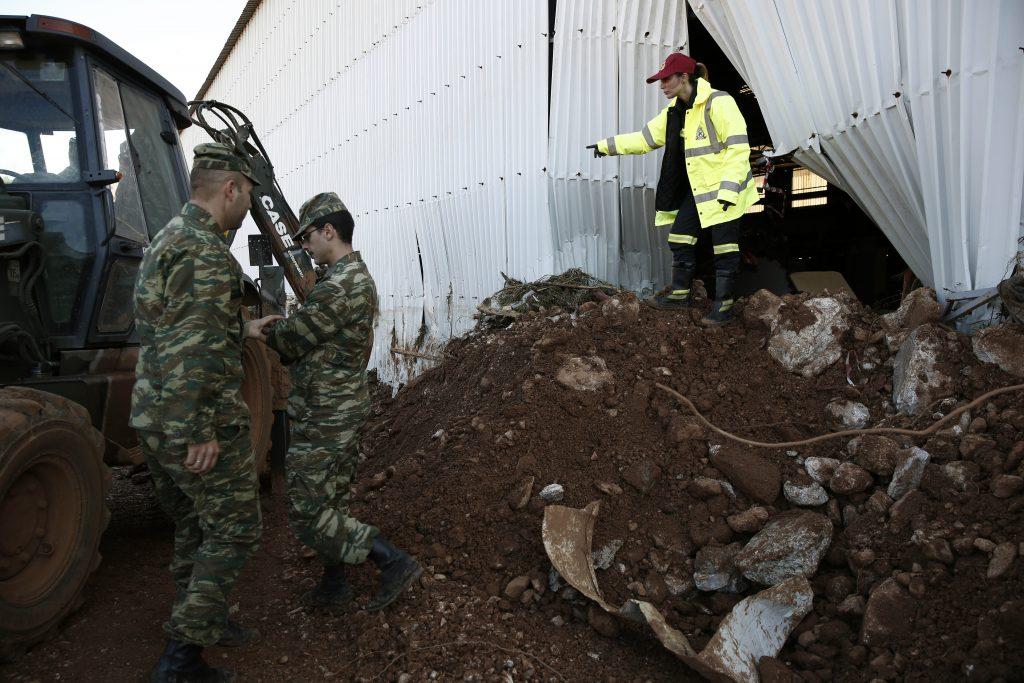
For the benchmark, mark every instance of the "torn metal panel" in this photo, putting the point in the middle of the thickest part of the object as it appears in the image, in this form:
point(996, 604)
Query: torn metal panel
point(912, 108)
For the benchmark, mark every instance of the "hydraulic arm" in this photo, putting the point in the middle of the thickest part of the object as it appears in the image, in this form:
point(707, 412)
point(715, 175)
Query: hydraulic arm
point(270, 210)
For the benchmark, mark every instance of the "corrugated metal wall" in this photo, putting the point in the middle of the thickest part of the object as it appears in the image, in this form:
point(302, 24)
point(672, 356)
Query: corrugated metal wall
point(602, 209)
point(912, 107)
point(430, 118)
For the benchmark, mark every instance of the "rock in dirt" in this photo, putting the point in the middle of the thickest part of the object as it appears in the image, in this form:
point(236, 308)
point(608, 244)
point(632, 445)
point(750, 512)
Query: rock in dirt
point(810, 341)
point(917, 308)
point(604, 557)
point(748, 521)
point(809, 495)
point(850, 478)
point(752, 474)
point(757, 627)
point(1003, 556)
point(962, 473)
point(516, 587)
point(849, 414)
point(1006, 485)
point(921, 369)
point(876, 454)
point(907, 475)
point(715, 570)
point(552, 493)
point(602, 622)
point(791, 544)
point(642, 475)
point(520, 495)
point(762, 307)
point(1002, 345)
point(705, 487)
point(821, 469)
point(584, 374)
point(622, 310)
point(888, 616)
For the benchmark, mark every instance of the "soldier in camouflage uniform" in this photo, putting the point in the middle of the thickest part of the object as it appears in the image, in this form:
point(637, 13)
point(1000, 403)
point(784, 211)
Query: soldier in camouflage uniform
point(188, 409)
point(328, 343)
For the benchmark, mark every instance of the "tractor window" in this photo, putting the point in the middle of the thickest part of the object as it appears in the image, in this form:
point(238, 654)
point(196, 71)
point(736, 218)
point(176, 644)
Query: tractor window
point(38, 132)
point(69, 254)
point(158, 183)
point(117, 154)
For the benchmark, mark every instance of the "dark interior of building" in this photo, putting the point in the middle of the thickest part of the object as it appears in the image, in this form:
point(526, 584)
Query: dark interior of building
point(802, 223)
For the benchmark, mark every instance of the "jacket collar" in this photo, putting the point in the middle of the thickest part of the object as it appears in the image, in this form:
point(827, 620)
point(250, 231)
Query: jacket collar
point(201, 216)
point(351, 257)
point(704, 91)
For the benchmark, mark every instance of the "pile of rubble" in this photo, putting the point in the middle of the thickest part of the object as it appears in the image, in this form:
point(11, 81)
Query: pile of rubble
point(868, 556)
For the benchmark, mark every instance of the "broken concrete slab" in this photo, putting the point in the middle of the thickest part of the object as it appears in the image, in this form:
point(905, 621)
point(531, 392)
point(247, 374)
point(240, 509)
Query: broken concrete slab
point(848, 414)
point(714, 569)
point(757, 627)
point(888, 616)
point(1002, 345)
point(584, 374)
point(810, 341)
point(917, 308)
point(791, 544)
point(762, 307)
point(907, 475)
point(919, 370)
point(808, 495)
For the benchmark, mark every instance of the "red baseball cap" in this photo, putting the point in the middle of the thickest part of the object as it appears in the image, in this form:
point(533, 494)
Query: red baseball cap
point(677, 63)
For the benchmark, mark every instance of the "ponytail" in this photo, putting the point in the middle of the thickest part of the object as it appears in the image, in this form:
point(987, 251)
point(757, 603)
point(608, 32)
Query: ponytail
point(700, 71)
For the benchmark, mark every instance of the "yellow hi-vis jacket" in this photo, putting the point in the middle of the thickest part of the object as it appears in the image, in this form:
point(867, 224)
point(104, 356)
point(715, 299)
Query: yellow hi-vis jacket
point(716, 150)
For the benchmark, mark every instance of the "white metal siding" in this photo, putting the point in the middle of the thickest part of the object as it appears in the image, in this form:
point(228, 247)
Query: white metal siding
point(860, 91)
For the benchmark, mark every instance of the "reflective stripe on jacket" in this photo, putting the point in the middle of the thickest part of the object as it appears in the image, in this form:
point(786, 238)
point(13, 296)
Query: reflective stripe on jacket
point(717, 154)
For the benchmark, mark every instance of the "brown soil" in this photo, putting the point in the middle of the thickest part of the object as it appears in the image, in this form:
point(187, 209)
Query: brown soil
point(448, 461)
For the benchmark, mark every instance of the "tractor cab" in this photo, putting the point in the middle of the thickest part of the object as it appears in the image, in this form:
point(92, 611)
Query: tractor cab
point(91, 168)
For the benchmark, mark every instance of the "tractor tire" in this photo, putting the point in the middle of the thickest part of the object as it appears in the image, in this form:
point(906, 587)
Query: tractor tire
point(53, 487)
point(258, 394)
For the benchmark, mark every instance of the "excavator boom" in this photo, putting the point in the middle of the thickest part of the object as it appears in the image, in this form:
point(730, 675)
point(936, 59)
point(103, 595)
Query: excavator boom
point(270, 211)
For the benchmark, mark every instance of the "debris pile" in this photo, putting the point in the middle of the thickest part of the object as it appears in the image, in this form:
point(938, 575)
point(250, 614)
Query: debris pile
point(884, 556)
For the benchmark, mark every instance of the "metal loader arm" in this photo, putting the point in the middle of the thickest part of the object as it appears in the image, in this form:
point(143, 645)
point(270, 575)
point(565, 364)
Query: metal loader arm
point(270, 210)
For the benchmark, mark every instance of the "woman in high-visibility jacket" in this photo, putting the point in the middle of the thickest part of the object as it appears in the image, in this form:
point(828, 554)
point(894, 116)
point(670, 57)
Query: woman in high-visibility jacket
point(705, 180)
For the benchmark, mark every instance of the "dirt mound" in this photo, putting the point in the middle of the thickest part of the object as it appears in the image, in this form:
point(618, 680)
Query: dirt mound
point(467, 447)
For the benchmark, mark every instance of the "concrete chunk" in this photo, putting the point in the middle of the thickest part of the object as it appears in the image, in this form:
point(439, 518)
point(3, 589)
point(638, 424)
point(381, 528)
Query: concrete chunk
point(1002, 345)
point(809, 495)
point(919, 378)
point(907, 476)
point(791, 544)
point(810, 342)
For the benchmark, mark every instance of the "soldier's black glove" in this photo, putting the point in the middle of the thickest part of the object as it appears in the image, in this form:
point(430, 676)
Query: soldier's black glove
point(597, 153)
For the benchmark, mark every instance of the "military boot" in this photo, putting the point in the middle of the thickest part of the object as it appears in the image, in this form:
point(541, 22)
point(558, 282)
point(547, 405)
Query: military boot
point(397, 572)
point(234, 635)
point(333, 593)
point(676, 296)
point(183, 663)
point(721, 307)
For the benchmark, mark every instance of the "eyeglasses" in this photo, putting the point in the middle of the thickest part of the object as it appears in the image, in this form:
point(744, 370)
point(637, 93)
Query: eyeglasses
point(304, 237)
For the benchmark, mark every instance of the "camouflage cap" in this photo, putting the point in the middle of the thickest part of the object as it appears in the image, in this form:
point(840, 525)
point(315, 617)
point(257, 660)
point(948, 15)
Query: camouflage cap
point(220, 157)
point(318, 206)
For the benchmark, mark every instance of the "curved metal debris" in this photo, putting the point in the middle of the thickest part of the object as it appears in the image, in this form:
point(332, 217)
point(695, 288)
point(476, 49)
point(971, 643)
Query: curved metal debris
point(757, 626)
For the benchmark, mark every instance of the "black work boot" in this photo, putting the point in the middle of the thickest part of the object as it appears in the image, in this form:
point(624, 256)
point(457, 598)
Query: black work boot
point(183, 663)
point(236, 635)
point(332, 594)
point(721, 307)
point(397, 572)
point(676, 296)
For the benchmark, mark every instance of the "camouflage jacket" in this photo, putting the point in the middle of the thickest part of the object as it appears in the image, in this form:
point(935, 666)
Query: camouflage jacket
point(188, 304)
point(329, 338)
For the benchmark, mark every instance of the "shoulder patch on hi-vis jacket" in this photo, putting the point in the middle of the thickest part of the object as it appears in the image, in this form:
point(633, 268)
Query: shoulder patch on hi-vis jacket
point(700, 133)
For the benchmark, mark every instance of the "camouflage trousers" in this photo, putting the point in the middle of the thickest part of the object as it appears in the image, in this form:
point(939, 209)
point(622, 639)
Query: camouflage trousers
point(320, 466)
point(217, 525)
